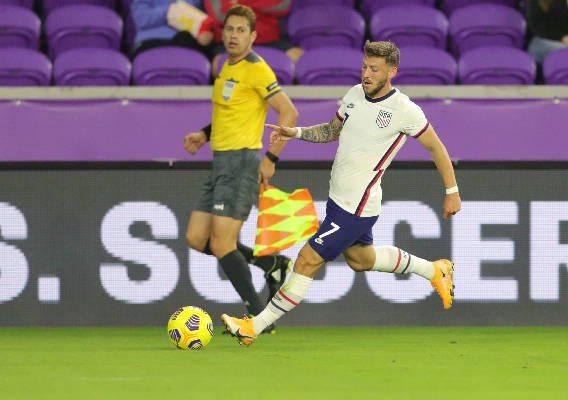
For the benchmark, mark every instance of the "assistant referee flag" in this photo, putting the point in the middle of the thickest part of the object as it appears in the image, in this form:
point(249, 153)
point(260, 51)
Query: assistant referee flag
point(284, 219)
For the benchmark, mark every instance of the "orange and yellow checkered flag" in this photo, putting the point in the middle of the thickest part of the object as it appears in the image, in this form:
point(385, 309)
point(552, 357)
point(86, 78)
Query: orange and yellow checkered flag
point(284, 219)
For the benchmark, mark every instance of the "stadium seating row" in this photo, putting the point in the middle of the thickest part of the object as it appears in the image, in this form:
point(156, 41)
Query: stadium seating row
point(370, 6)
point(81, 25)
point(86, 25)
point(468, 27)
point(46, 6)
point(489, 65)
point(331, 32)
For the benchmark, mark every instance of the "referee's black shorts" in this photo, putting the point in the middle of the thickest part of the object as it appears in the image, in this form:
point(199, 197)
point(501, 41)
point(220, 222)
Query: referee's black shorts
point(232, 188)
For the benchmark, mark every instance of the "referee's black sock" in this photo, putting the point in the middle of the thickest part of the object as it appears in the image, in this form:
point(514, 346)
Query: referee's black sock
point(236, 268)
point(266, 263)
point(247, 252)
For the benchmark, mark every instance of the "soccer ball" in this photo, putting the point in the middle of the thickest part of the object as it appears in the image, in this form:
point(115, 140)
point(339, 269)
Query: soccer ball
point(190, 328)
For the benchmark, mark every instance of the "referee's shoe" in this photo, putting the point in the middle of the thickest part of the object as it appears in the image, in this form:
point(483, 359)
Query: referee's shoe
point(276, 275)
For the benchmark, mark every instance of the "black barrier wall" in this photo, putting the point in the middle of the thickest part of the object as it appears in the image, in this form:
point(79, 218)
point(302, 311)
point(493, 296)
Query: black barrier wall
point(99, 246)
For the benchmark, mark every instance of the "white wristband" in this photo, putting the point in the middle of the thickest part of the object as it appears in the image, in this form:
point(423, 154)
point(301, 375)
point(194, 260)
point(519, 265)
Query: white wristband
point(453, 189)
point(299, 133)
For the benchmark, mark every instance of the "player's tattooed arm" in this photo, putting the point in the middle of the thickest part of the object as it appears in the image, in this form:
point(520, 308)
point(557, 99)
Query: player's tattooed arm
point(322, 133)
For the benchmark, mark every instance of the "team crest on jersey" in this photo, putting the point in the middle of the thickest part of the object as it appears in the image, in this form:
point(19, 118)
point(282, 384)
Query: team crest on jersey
point(228, 89)
point(383, 119)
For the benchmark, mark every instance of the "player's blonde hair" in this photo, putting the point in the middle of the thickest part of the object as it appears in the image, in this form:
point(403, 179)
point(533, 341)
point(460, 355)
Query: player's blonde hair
point(386, 50)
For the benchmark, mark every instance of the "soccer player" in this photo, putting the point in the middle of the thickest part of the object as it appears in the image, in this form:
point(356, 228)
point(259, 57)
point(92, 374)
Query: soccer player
point(242, 93)
point(372, 123)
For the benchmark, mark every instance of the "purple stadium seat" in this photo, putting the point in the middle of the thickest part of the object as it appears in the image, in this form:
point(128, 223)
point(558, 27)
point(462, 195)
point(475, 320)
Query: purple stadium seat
point(24, 67)
point(91, 67)
point(449, 6)
point(50, 5)
point(496, 65)
point(330, 66)
point(555, 67)
point(170, 65)
point(20, 3)
point(410, 25)
point(425, 65)
point(485, 25)
point(82, 25)
point(298, 4)
point(326, 26)
point(280, 63)
point(371, 6)
point(19, 27)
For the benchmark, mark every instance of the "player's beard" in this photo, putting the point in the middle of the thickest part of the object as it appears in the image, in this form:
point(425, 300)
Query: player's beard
point(376, 89)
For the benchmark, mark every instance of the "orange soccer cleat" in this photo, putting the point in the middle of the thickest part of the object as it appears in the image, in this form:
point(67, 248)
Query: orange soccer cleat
point(442, 281)
point(240, 328)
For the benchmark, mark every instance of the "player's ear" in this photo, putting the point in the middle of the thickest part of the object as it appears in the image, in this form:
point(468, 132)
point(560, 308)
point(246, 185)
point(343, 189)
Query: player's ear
point(392, 72)
point(253, 36)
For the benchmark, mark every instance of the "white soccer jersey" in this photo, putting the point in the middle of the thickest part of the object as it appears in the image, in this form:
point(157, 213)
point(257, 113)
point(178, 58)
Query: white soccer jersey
point(373, 132)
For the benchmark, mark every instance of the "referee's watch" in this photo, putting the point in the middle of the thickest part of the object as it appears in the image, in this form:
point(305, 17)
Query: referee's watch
point(272, 157)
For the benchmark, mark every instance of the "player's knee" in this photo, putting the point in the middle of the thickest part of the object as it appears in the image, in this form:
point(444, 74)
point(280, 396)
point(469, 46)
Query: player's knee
point(308, 262)
point(355, 264)
point(220, 247)
point(360, 257)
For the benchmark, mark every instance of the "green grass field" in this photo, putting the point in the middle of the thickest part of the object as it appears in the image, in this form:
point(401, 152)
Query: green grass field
point(296, 363)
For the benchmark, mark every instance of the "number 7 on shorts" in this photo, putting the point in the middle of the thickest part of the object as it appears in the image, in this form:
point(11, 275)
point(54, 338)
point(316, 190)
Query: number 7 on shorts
point(334, 228)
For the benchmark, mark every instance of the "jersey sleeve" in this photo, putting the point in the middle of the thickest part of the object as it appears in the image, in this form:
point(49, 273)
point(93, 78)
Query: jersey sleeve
point(415, 122)
point(264, 80)
point(345, 101)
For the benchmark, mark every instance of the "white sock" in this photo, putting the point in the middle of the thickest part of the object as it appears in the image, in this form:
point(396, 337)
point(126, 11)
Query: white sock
point(392, 259)
point(289, 296)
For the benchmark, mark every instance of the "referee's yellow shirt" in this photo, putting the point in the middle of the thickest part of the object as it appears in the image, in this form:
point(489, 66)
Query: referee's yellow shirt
point(239, 103)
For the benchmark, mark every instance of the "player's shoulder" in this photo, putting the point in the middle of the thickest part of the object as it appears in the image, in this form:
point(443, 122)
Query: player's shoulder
point(256, 62)
point(253, 58)
point(355, 92)
point(399, 97)
point(407, 108)
point(402, 100)
point(257, 67)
